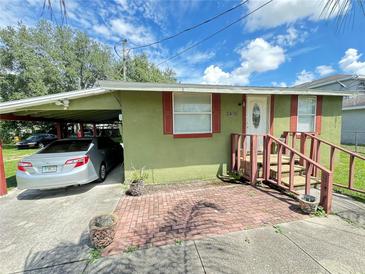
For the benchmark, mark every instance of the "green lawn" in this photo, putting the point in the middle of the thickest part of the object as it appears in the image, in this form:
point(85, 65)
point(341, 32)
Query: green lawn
point(341, 175)
point(11, 158)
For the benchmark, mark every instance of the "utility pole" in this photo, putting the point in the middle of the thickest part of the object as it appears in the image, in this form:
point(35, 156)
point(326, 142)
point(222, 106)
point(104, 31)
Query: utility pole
point(124, 42)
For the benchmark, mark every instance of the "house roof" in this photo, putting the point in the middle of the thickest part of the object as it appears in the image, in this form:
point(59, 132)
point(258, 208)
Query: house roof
point(26, 106)
point(203, 88)
point(330, 80)
point(352, 103)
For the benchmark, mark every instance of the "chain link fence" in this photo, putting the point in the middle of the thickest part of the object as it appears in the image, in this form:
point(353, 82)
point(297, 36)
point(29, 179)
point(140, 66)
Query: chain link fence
point(353, 140)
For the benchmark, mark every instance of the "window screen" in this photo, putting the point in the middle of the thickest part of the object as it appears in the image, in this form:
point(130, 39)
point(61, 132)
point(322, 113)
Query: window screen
point(192, 113)
point(306, 113)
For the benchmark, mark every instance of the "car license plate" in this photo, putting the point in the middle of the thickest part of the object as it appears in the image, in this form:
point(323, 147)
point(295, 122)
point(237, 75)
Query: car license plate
point(49, 169)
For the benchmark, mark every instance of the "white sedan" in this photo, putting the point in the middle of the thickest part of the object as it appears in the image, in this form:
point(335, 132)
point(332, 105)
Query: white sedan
point(69, 162)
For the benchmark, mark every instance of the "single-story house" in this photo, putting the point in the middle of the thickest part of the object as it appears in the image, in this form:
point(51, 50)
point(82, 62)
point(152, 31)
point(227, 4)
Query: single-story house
point(353, 109)
point(180, 132)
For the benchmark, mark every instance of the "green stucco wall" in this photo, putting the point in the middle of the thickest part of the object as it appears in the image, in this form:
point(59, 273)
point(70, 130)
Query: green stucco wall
point(174, 159)
point(331, 121)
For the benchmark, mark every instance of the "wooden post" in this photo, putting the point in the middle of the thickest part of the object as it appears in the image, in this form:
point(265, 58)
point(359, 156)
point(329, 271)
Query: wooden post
point(303, 139)
point(268, 143)
point(332, 159)
point(82, 132)
point(308, 175)
point(291, 171)
point(326, 191)
point(238, 161)
point(279, 166)
point(58, 126)
point(351, 171)
point(3, 189)
point(253, 159)
point(233, 152)
point(94, 130)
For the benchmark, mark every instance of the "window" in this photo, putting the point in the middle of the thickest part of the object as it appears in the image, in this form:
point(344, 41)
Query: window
point(192, 113)
point(306, 113)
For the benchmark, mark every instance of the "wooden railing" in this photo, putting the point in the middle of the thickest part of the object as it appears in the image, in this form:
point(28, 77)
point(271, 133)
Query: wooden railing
point(315, 154)
point(249, 169)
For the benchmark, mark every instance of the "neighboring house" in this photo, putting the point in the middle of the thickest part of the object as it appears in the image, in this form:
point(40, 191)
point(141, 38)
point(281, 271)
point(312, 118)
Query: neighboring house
point(183, 131)
point(353, 115)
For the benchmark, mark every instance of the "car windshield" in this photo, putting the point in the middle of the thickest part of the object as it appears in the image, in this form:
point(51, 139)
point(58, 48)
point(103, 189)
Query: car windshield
point(67, 146)
point(32, 138)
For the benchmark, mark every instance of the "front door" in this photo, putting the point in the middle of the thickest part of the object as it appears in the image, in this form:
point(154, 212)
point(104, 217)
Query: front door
point(257, 116)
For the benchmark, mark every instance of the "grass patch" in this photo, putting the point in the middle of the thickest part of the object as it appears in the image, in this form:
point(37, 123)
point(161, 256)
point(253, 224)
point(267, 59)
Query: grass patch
point(94, 254)
point(131, 249)
point(341, 175)
point(12, 155)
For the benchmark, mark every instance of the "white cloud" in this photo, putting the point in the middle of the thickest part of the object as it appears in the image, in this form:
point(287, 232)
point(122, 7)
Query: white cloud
point(291, 37)
point(200, 57)
point(279, 84)
point(325, 70)
point(257, 56)
point(303, 77)
point(215, 75)
point(350, 62)
point(135, 33)
point(283, 12)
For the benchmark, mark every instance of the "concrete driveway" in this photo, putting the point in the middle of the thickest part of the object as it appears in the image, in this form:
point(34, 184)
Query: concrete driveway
point(50, 227)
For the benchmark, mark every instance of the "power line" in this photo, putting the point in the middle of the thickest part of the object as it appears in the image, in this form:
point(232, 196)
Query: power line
point(214, 34)
point(191, 28)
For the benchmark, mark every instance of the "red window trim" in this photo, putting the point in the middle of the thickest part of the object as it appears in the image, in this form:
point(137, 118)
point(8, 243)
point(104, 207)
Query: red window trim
point(294, 114)
point(272, 113)
point(319, 114)
point(193, 135)
point(167, 101)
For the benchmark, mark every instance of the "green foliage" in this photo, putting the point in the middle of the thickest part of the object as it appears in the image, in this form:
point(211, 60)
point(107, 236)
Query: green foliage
point(94, 254)
point(139, 175)
point(48, 59)
point(131, 249)
point(320, 212)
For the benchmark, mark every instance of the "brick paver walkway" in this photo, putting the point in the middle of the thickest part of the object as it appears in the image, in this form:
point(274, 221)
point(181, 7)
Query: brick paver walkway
point(164, 217)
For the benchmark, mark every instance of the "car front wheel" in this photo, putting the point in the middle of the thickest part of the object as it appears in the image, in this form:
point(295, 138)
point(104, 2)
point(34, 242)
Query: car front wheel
point(102, 172)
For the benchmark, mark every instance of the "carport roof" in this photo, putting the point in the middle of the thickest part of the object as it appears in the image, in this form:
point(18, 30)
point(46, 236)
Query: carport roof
point(25, 107)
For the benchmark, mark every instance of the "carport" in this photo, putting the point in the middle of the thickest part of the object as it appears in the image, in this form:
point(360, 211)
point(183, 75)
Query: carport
point(91, 106)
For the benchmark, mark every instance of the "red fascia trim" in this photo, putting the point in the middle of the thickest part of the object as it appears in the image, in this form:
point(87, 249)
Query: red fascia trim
point(244, 114)
point(294, 113)
point(272, 113)
point(319, 114)
point(193, 135)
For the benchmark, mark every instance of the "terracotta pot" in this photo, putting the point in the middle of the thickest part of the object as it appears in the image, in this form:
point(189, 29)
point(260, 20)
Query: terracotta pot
point(102, 230)
point(308, 203)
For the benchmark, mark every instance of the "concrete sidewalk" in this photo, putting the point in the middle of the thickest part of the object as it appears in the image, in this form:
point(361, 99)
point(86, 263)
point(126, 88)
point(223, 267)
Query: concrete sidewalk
point(315, 245)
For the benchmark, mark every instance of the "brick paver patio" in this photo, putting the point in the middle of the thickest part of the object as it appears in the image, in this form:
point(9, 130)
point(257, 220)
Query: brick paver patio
point(166, 216)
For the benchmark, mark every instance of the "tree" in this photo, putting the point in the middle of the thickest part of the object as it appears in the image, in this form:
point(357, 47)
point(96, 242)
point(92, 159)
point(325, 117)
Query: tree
point(49, 59)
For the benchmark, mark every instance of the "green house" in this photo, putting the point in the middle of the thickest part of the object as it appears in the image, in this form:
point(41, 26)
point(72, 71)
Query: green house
point(182, 132)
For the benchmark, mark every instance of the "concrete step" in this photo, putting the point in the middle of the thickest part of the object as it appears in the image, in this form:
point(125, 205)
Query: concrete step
point(299, 180)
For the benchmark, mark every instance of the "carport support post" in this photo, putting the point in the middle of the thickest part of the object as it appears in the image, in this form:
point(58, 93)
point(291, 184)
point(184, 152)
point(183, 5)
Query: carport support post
point(3, 190)
point(59, 130)
point(82, 133)
point(94, 130)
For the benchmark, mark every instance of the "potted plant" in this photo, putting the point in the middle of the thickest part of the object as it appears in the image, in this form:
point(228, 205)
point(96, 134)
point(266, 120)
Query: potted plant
point(102, 230)
point(308, 203)
point(136, 187)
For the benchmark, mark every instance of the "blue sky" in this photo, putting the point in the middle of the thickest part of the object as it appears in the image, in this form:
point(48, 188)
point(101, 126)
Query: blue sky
point(285, 43)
